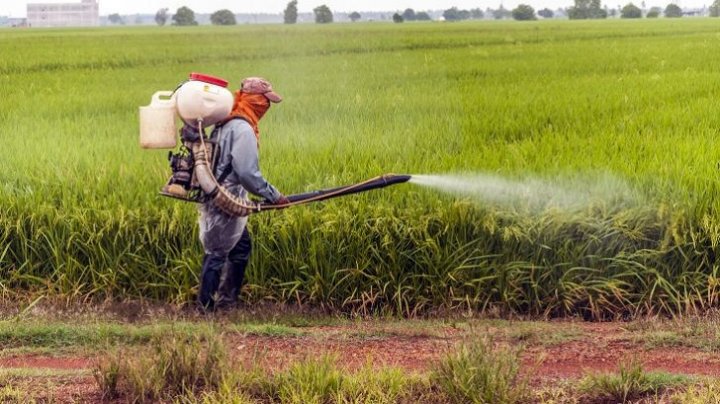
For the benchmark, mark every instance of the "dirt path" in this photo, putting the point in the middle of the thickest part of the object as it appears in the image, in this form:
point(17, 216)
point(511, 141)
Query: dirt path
point(599, 348)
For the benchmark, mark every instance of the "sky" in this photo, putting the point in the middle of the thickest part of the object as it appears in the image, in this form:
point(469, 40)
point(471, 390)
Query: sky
point(17, 8)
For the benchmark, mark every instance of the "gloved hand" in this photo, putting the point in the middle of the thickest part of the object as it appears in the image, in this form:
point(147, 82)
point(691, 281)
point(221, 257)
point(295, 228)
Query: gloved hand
point(282, 200)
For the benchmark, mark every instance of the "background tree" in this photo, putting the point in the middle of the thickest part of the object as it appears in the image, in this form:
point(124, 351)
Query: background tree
point(524, 12)
point(291, 13)
point(454, 14)
point(184, 16)
point(673, 11)
point(323, 15)
point(584, 9)
point(397, 18)
point(579, 11)
point(596, 10)
point(477, 14)
point(409, 15)
point(546, 13)
point(161, 16)
point(355, 16)
point(501, 13)
point(654, 12)
point(715, 9)
point(631, 11)
point(223, 17)
point(116, 19)
point(422, 16)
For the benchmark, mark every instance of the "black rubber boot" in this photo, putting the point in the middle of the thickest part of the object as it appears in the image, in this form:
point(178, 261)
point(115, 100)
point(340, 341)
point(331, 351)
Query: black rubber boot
point(238, 260)
point(210, 280)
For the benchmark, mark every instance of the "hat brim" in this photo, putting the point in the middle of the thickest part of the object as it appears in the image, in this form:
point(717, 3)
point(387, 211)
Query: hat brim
point(273, 97)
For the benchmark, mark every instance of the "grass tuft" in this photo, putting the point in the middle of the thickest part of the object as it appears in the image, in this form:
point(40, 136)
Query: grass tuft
point(479, 373)
point(629, 384)
point(174, 365)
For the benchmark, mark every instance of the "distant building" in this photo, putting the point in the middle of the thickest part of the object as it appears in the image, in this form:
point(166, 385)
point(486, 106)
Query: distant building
point(83, 14)
point(17, 22)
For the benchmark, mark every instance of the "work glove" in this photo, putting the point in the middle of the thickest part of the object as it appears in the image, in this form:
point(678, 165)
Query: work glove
point(282, 200)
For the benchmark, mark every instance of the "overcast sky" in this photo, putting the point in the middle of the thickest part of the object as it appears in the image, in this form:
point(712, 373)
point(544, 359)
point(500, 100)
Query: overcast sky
point(16, 8)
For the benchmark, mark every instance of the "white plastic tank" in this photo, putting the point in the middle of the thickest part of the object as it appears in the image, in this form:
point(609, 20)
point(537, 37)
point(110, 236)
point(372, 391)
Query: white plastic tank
point(204, 97)
point(158, 127)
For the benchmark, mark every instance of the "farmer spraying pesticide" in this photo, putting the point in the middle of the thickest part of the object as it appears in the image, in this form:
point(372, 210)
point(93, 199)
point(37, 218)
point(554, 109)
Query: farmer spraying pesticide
point(225, 238)
point(220, 171)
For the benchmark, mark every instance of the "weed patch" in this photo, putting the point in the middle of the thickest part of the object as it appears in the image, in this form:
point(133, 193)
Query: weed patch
point(174, 365)
point(630, 383)
point(478, 372)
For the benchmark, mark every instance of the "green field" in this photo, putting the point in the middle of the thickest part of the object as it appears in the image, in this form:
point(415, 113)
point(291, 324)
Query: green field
point(635, 101)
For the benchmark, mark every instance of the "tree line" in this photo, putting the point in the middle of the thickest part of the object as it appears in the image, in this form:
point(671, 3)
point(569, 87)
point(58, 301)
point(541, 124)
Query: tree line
point(581, 9)
point(593, 9)
point(185, 16)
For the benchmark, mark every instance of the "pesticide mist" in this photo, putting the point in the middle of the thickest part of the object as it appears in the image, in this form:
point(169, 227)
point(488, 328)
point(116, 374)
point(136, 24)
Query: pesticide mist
point(534, 194)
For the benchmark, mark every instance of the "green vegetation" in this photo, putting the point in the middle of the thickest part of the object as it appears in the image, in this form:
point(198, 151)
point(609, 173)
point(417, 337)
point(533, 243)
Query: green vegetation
point(629, 384)
point(173, 365)
point(197, 368)
point(59, 335)
point(479, 373)
point(633, 100)
point(692, 332)
point(700, 393)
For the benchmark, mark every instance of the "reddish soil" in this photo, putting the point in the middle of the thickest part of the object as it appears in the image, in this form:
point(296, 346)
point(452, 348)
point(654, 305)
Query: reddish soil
point(45, 362)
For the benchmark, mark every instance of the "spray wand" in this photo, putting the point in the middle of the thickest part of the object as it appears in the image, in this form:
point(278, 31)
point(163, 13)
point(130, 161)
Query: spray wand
point(321, 195)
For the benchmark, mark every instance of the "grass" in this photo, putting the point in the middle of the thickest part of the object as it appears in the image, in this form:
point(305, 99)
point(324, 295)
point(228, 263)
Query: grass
point(706, 392)
point(633, 101)
point(270, 330)
point(479, 373)
point(629, 384)
point(692, 332)
point(175, 365)
point(93, 335)
point(197, 370)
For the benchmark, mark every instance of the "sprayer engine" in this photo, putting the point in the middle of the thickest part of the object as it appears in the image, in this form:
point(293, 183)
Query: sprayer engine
point(183, 183)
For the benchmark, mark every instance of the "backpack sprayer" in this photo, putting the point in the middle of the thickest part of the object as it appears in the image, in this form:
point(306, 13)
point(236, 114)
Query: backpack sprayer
point(203, 101)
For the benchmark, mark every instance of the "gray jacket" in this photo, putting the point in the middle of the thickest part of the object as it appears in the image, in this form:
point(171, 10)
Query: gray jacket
point(238, 162)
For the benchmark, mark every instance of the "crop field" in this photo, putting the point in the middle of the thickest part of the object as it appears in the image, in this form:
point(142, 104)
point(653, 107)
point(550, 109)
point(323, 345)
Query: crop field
point(563, 170)
point(572, 104)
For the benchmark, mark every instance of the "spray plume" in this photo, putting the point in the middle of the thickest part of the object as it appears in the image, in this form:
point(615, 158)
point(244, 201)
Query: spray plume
point(534, 194)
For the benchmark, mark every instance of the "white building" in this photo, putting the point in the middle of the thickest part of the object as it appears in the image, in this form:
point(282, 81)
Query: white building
point(82, 14)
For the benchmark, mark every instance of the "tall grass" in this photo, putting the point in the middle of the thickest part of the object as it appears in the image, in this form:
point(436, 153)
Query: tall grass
point(630, 384)
point(479, 373)
point(173, 365)
point(80, 215)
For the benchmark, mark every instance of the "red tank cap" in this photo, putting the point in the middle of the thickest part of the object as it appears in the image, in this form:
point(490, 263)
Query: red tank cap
point(206, 78)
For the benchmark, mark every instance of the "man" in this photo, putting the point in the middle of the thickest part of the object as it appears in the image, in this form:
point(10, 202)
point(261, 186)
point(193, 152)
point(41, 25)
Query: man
point(225, 238)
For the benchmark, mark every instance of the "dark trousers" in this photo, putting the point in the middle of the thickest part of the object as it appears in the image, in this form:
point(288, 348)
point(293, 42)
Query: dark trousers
point(236, 261)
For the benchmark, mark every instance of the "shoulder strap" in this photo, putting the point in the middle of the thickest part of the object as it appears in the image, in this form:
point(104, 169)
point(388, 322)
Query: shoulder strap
point(231, 118)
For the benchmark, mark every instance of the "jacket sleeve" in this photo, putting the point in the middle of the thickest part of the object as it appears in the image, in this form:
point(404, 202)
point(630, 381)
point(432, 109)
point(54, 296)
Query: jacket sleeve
point(246, 165)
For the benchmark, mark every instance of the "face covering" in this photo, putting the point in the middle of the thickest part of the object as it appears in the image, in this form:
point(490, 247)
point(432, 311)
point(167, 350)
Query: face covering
point(250, 107)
